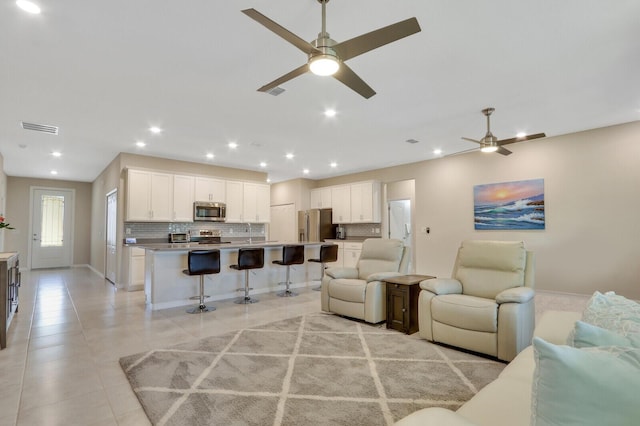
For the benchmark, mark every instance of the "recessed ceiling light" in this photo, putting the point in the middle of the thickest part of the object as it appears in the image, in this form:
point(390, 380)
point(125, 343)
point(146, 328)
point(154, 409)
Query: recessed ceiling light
point(521, 134)
point(289, 156)
point(330, 112)
point(437, 151)
point(28, 6)
point(155, 130)
point(209, 155)
point(232, 145)
point(305, 171)
point(140, 144)
point(263, 164)
point(334, 164)
point(56, 153)
point(268, 180)
point(54, 172)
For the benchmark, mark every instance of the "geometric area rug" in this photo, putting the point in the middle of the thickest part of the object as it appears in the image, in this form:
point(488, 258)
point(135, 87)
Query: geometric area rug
point(318, 369)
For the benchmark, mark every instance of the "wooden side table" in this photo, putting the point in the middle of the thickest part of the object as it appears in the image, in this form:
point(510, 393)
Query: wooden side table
point(402, 302)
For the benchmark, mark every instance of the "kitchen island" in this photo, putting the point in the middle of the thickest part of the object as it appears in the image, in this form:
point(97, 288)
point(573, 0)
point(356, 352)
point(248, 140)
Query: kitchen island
point(165, 285)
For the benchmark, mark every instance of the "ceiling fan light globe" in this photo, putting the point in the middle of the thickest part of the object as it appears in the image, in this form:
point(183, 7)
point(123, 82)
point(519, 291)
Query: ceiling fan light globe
point(324, 65)
point(489, 148)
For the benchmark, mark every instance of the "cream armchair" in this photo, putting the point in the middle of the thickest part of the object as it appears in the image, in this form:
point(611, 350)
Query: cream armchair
point(488, 305)
point(359, 292)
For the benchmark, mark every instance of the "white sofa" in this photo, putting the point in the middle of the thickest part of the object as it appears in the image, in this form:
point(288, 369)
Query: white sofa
point(507, 400)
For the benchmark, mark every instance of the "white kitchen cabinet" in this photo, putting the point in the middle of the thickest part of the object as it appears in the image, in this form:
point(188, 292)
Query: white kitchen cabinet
point(256, 203)
point(341, 204)
point(234, 200)
point(183, 198)
point(320, 198)
point(136, 268)
point(352, 253)
point(365, 202)
point(208, 189)
point(149, 196)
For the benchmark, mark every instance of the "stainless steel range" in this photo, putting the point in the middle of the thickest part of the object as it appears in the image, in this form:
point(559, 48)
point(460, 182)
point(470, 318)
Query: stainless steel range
point(208, 236)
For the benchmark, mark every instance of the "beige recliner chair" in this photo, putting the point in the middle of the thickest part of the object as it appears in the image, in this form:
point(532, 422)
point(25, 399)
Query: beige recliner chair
point(488, 305)
point(359, 292)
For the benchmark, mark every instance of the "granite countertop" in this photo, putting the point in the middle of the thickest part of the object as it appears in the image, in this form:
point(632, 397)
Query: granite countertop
point(351, 239)
point(221, 246)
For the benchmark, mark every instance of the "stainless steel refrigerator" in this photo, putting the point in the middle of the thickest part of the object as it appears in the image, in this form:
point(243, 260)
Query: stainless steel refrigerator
point(315, 225)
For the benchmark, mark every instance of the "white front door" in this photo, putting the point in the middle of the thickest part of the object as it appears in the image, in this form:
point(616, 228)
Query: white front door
point(110, 263)
point(52, 231)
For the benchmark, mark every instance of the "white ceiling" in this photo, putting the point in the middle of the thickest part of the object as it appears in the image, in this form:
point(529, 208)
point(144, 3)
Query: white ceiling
point(104, 71)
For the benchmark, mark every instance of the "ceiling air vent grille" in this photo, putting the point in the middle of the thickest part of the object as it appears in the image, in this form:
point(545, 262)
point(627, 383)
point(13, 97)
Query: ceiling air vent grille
point(275, 91)
point(43, 128)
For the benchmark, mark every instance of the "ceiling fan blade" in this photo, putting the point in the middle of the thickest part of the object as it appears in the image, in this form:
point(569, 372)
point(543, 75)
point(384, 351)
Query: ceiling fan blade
point(358, 45)
point(298, 42)
point(288, 76)
point(351, 79)
point(471, 140)
point(503, 151)
point(523, 138)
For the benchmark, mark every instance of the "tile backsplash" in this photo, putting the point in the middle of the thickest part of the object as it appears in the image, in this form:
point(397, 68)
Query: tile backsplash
point(363, 230)
point(163, 229)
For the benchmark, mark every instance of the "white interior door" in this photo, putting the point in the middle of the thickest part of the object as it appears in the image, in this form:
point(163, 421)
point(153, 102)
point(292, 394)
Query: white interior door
point(51, 224)
point(110, 263)
point(283, 223)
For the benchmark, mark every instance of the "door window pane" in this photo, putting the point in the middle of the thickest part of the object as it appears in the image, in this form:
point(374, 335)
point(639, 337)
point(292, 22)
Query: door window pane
point(52, 221)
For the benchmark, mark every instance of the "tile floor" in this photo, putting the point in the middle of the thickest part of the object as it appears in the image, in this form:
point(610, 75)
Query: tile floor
point(61, 364)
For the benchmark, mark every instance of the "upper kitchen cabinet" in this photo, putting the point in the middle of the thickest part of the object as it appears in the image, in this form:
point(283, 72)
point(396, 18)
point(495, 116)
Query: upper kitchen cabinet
point(320, 198)
point(341, 204)
point(365, 202)
point(234, 200)
point(208, 189)
point(183, 198)
point(149, 196)
point(257, 203)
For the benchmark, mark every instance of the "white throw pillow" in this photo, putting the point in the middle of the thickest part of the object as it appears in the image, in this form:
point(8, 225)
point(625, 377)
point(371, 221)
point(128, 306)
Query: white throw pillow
point(591, 386)
point(613, 312)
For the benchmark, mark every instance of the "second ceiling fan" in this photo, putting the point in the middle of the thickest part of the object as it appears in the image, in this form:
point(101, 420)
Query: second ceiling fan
point(490, 143)
point(326, 56)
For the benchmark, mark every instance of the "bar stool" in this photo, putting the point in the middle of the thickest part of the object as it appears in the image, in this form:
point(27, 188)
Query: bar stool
point(202, 262)
point(248, 258)
point(328, 253)
point(291, 255)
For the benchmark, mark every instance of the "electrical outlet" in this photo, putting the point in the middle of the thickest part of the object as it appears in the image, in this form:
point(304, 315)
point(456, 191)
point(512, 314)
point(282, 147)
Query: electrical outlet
point(128, 231)
point(377, 230)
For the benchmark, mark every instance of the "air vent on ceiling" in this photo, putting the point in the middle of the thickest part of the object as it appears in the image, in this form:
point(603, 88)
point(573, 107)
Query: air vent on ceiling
point(43, 128)
point(411, 141)
point(275, 91)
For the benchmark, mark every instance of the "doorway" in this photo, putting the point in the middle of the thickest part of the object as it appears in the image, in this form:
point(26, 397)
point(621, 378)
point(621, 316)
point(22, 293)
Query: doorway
point(51, 224)
point(400, 221)
point(110, 261)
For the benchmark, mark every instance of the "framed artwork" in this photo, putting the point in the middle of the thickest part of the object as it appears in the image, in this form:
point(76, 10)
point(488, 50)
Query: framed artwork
point(509, 205)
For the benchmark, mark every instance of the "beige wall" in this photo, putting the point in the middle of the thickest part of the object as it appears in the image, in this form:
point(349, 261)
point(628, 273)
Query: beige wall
point(294, 191)
point(3, 198)
point(592, 197)
point(18, 202)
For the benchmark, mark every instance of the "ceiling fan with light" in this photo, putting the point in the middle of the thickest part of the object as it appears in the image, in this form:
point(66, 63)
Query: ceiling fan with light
point(326, 56)
point(490, 143)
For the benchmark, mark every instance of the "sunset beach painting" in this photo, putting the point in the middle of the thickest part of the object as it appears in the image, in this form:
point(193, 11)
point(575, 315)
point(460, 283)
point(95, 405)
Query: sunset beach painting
point(509, 205)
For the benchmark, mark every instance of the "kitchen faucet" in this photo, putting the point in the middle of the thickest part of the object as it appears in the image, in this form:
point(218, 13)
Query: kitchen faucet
point(250, 235)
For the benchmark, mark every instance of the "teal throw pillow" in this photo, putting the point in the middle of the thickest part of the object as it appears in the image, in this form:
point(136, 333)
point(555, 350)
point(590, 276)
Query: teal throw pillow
point(587, 335)
point(590, 386)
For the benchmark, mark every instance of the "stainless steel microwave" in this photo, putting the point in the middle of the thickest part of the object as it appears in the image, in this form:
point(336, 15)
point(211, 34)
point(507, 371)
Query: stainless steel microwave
point(209, 212)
